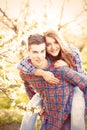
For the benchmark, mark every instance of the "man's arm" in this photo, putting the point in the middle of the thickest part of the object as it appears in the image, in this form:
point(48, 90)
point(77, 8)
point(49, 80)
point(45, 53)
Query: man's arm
point(30, 91)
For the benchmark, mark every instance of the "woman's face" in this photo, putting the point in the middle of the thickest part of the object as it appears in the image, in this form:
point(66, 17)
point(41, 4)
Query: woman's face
point(52, 46)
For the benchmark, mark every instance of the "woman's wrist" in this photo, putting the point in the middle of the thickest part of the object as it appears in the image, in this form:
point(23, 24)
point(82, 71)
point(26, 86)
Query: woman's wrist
point(39, 72)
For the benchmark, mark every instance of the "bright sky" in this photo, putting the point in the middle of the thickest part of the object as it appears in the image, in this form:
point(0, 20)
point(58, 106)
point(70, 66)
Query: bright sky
point(14, 6)
point(71, 9)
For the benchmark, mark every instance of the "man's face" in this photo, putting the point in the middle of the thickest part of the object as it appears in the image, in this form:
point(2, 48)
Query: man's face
point(37, 54)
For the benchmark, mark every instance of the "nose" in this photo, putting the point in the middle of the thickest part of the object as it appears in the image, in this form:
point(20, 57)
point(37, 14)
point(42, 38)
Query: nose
point(53, 47)
point(39, 55)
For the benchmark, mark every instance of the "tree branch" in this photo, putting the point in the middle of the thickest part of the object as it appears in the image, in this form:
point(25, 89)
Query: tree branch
point(14, 27)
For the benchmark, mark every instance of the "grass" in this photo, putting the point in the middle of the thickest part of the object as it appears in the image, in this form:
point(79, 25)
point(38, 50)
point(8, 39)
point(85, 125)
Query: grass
point(11, 116)
point(11, 120)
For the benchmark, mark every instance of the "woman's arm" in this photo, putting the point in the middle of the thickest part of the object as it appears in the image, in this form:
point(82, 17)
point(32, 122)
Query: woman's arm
point(27, 67)
point(47, 75)
point(77, 60)
point(60, 63)
point(64, 73)
point(71, 76)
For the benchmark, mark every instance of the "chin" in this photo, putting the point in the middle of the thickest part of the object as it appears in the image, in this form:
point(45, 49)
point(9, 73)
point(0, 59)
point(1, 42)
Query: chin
point(54, 55)
point(38, 66)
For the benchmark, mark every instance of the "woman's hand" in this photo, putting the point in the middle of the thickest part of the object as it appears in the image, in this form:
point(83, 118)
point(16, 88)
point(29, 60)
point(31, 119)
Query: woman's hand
point(59, 63)
point(49, 77)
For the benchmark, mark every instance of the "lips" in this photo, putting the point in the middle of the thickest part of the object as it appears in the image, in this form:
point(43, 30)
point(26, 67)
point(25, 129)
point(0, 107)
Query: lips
point(38, 61)
point(54, 52)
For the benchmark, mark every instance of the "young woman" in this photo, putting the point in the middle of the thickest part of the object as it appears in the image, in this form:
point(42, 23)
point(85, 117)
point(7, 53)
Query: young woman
point(58, 53)
point(58, 49)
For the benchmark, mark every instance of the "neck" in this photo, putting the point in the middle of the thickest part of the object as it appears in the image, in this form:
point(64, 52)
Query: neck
point(44, 65)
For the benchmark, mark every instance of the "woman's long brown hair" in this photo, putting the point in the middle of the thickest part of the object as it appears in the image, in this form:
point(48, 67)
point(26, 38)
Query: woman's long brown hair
point(65, 52)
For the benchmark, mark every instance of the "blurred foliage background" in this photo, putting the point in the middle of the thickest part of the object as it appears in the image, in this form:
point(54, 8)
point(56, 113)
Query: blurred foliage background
point(16, 24)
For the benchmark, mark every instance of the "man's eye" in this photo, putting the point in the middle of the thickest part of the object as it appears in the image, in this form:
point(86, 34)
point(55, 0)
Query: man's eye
point(34, 52)
point(43, 51)
point(48, 45)
point(55, 42)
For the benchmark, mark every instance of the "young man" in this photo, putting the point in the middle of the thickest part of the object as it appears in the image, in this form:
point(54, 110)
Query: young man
point(57, 98)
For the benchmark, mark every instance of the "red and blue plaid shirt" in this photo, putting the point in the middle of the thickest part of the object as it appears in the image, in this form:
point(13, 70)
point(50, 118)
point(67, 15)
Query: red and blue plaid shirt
point(57, 98)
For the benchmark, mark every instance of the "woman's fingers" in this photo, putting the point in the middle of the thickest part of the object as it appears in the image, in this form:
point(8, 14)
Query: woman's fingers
point(53, 80)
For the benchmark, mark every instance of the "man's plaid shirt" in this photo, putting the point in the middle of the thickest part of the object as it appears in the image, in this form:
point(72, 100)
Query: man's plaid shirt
point(57, 98)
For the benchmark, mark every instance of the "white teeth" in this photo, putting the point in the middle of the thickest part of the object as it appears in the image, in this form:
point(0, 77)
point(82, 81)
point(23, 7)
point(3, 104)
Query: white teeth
point(54, 51)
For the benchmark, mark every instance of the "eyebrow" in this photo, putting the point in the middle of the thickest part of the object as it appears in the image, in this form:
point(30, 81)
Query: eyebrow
point(41, 51)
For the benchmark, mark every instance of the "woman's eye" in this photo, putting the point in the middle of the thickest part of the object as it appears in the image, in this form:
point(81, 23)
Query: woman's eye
point(43, 51)
point(55, 42)
point(48, 45)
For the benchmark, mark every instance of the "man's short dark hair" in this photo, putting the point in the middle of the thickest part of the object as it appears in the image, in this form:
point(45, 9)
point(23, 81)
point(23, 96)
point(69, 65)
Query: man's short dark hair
point(35, 39)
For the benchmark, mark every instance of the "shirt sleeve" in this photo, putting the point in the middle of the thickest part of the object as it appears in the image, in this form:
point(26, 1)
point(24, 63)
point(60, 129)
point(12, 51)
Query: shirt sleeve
point(29, 90)
point(73, 77)
point(78, 61)
point(26, 66)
